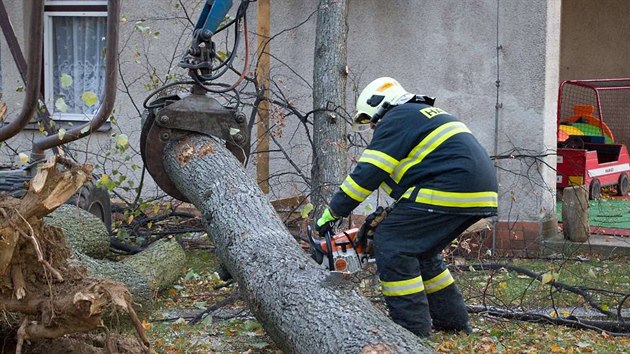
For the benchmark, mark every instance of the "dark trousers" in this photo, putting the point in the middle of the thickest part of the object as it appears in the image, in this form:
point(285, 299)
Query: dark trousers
point(417, 286)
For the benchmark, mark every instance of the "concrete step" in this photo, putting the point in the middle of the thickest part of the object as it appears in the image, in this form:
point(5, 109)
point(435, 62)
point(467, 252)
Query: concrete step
point(602, 245)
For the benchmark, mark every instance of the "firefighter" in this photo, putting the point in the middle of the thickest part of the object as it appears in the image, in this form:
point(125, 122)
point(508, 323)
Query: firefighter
point(443, 181)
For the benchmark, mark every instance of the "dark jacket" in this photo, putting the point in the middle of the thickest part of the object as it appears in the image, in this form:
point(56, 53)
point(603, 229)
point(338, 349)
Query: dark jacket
point(423, 155)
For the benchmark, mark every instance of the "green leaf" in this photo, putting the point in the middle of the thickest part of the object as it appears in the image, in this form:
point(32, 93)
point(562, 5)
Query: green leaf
point(61, 133)
point(222, 55)
point(201, 305)
point(85, 129)
point(122, 140)
point(251, 326)
point(306, 210)
point(66, 80)
point(19, 89)
point(191, 276)
point(23, 158)
point(89, 98)
point(207, 320)
point(547, 278)
point(61, 105)
point(260, 345)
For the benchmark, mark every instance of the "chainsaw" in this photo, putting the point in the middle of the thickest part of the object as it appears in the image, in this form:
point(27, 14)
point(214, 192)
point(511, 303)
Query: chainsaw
point(341, 252)
point(350, 250)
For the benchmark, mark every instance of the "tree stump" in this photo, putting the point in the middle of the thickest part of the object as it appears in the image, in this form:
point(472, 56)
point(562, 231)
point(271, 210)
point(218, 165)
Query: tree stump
point(575, 223)
point(43, 293)
point(303, 307)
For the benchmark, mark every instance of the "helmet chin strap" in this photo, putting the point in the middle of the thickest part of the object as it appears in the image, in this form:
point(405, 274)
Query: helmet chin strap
point(386, 106)
point(381, 112)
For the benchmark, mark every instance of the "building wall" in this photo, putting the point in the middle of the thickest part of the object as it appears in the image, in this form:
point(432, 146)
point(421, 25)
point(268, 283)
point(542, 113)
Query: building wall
point(595, 39)
point(446, 49)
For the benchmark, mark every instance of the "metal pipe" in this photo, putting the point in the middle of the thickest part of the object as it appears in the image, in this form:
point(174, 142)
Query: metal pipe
point(497, 106)
point(34, 67)
point(109, 94)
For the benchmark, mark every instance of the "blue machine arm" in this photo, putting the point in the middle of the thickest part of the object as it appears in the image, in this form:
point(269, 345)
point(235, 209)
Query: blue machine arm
point(212, 14)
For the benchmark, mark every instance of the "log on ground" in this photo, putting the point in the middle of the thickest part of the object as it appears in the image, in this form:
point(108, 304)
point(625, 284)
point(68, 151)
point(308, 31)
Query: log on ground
point(300, 305)
point(144, 273)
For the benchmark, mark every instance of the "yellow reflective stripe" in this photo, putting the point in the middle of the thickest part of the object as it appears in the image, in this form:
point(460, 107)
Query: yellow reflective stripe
point(457, 199)
point(353, 190)
point(428, 145)
point(407, 193)
point(385, 187)
point(439, 282)
point(380, 160)
point(402, 287)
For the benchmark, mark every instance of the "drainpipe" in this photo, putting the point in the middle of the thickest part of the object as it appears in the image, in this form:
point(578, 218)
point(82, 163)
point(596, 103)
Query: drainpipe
point(498, 105)
point(107, 105)
point(34, 66)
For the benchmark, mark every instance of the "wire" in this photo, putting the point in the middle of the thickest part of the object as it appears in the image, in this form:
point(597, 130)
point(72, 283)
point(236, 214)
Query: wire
point(201, 80)
point(146, 105)
point(230, 59)
point(246, 64)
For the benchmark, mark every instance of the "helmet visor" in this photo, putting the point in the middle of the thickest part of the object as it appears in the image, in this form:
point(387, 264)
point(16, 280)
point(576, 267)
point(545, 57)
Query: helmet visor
point(361, 122)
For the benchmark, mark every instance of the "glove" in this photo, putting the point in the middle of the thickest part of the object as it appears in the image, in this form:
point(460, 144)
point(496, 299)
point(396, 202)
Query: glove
point(323, 224)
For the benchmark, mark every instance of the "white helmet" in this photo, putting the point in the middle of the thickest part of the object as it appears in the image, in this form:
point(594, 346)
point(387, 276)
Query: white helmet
point(372, 98)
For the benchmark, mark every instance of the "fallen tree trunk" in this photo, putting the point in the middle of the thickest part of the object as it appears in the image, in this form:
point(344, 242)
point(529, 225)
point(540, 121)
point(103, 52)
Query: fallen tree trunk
point(303, 307)
point(144, 273)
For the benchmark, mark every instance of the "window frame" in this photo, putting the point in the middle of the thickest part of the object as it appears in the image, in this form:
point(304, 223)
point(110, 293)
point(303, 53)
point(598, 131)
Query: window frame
point(64, 8)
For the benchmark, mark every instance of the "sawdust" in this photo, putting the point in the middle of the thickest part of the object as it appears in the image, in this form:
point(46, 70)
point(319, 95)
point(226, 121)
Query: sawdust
point(184, 152)
point(205, 150)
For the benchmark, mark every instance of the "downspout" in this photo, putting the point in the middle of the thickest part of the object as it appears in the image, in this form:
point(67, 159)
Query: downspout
point(497, 106)
point(107, 105)
point(34, 67)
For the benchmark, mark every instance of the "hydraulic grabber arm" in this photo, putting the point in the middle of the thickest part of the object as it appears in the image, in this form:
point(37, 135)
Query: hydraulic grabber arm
point(171, 117)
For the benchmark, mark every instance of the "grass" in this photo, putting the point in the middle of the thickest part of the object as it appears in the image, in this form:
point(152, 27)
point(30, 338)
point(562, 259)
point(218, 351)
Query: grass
point(509, 288)
point(236, 331)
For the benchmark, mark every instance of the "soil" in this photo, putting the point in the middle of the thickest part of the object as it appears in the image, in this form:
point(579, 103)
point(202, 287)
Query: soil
point(75, 344)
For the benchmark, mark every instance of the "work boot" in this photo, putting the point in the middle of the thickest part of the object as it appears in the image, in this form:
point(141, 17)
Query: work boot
point(448, 310)
point(411, 312)
point(421, 332)
point(446, 304)
point(467, 329)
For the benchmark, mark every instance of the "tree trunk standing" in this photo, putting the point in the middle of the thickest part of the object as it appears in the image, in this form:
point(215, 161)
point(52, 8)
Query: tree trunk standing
point(303, 308)
point(330, 157)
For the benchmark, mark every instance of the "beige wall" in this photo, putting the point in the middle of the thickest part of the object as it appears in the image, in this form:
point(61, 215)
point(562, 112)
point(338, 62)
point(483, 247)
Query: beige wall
point(445, 48)
point(595, 39)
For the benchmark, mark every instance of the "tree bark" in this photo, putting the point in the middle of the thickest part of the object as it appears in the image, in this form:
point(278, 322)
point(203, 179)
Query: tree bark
point(144, 273)
point(575, 223)
point(330, 156)
point(303, 307)
point(84, 232)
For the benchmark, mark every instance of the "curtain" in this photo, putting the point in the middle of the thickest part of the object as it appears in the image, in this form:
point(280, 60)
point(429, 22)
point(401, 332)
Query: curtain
point(78, 51)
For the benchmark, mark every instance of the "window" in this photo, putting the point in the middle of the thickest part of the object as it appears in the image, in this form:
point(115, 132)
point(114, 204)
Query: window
point(74, 57)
